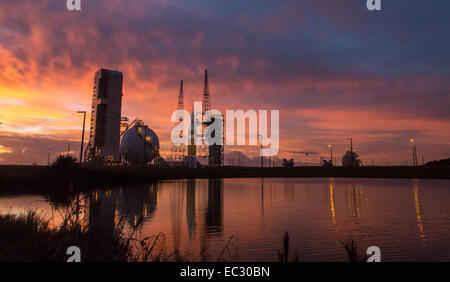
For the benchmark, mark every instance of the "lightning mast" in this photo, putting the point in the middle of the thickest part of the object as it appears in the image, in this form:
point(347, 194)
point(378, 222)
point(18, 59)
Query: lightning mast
point(206, 97)
point(206, 106)
point(211, 154)
point(178, 151)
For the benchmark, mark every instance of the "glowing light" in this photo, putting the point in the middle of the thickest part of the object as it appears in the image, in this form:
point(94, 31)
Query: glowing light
point(333, 214)
point(5, 150)
point(419, 214)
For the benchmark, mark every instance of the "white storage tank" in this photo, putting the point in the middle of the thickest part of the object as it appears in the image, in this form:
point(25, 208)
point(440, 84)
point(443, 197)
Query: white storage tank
point(139, 145)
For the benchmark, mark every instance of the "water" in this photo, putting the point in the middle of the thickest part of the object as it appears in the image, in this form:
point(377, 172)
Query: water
point(408, 219)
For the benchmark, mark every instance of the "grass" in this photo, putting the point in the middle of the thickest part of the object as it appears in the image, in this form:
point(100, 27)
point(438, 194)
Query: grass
point(28, 237)
point(350, 247)
point(284, 256)
point(352, 251)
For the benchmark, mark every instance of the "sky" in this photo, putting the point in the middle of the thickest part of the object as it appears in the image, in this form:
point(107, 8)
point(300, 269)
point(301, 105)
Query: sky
point(333, 69)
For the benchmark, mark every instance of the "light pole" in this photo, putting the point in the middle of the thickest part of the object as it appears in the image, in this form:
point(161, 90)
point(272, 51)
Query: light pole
point(145, 145)
point(331, 153)
point(82, 135)
point(48, 157)
point(414, 152)
point(351, 150)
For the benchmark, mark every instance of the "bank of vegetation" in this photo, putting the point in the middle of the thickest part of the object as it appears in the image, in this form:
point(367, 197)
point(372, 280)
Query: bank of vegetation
point(65, 171)
point(28, 237)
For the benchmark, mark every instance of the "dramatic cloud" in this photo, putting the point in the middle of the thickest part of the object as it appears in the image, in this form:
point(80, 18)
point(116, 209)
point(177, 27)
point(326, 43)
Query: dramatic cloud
point(332, 68)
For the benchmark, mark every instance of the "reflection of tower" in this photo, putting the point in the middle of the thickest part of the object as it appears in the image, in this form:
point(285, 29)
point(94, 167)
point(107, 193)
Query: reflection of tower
point(178, 151)
point(102, 211)
point(354, 200)
point(262, 201)
point(419, 213)
point(214, 214)
point(206, 106)
point(138, 203)
point(190, 207)
point(176, 212)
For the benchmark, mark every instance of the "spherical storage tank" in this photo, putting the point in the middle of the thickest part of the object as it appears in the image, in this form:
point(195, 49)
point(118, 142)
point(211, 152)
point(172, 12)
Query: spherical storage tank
point(133, 148)
point(348, 160)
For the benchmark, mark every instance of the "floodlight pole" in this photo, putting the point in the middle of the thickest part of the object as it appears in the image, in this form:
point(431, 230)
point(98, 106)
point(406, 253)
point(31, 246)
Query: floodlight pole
point(82, 135)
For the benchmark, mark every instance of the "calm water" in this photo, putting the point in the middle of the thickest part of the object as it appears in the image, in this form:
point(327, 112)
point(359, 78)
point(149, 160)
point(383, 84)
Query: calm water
point(408, 219)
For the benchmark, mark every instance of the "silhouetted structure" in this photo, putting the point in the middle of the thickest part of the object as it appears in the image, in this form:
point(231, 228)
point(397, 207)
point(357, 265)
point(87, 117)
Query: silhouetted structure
point(206, 106)
point(139, 144)
point(178, 151)
point(288, 163)
point(215, 151)
point(104, 138)
point(214, 213)
point(138, 202)
point(351, 159)
point(102, 211)
point(191, 159)
point(414, 152)
point(190, 207)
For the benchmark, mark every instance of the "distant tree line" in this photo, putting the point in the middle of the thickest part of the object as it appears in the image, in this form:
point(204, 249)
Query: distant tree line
point(439, 162)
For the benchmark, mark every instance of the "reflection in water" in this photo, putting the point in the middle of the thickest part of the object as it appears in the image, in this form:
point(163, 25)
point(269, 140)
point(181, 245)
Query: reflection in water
point(190, 208)
point(289, 193)
point(176, 214)
point(418, 213)
point(102, 211)
point(354, 199)
point(138, 203)
point(214, 214)
point(262, 201)
point(333, 214)
point(303, 207)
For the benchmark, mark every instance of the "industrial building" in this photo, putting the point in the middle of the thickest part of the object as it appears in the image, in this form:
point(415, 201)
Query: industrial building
point(104, 137)
point(139, 144)
point(204, 154)
point(351, 158)
point(216, 151)
point(211, 155)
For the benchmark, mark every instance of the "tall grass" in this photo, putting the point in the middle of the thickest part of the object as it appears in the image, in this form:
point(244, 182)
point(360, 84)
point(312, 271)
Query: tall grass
point(284, 256)
point(352, 251)
point(28, 237)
